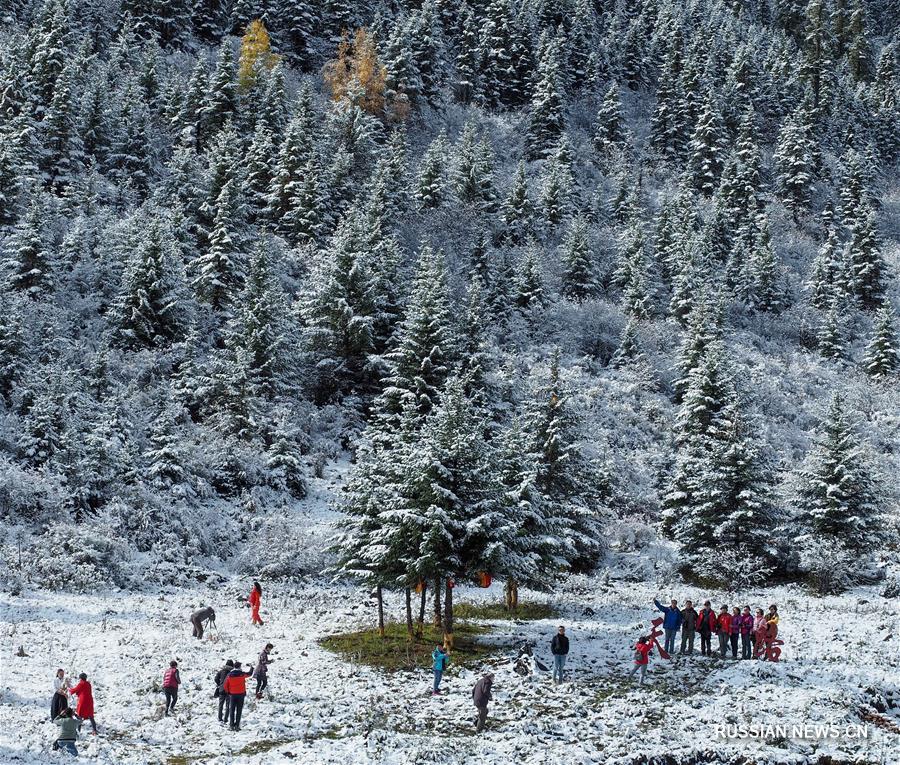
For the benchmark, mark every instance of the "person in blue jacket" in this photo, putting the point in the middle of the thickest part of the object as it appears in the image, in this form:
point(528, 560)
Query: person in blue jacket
point(671, 622)
point(440, 659)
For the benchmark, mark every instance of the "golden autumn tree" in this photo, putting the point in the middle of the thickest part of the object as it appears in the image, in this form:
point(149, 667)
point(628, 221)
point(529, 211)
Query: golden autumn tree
point(256, 53)
point(357, 74)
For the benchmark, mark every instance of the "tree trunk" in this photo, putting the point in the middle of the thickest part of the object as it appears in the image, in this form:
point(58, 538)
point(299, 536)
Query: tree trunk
point(511, 595)
point(409, 620)
point(448, 617)
point(423, 600)
point(437, 603)
point(380, 610)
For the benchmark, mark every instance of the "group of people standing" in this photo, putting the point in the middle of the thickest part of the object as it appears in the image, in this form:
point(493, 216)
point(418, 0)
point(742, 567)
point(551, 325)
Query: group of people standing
point(731, 627)
point(754, 632)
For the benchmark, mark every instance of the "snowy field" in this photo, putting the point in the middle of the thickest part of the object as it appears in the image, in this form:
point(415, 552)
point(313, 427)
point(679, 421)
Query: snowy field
point(325, 710)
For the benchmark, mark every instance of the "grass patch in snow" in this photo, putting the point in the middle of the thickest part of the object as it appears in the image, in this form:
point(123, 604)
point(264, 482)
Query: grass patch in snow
point(527, 611)
point(396, 651)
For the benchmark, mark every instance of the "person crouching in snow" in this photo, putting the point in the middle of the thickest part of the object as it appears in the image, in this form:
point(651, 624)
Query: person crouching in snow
point(68, 732)
point(85, 707)
point(254, 601)
point(261, 673)
point(439, 661)
point(171, 681)
point(200, 618)
point(642, 650)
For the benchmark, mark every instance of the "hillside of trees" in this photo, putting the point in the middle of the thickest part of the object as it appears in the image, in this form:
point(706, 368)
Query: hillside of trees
point(547, 279)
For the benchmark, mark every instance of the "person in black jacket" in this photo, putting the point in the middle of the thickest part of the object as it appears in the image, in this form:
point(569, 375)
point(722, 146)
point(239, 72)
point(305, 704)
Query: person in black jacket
point(220, 690)
point(559, 647)
point(689, 619)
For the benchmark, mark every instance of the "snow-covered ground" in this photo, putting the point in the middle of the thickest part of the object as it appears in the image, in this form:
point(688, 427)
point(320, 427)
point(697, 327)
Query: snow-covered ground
point(325, 710)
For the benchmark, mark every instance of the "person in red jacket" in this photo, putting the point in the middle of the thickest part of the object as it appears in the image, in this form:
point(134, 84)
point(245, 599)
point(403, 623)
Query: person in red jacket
point(236, 688)
point(642, 650)
point(171, 681)
point(254, 601)
point(84, 709)
point(723, 624)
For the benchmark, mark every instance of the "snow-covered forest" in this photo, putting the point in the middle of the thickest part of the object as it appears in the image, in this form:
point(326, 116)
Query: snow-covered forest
point(546, 280)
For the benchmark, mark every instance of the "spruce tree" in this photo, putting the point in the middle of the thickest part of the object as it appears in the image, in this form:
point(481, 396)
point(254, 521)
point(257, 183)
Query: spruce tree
point(28, 264)
point(609, 132)
point(837, 493)
point(517, 210)
point(579, 278)
point(430, 189)
point(882, 357)
point(707, 150)
point(546, 123)
point(865, 266)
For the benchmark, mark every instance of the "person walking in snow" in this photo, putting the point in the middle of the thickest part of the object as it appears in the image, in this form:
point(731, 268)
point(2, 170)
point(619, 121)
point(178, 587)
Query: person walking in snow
point(171, 681)
point(84, 709)
point(220, 690)
point(671, 622)
point(254, 601)
point(261, 673)
point(642, 650)
point(439, 661)
point(706, 625)
point(688, 627)
point(67, 734)
point(735, 630)
point(559, 647)
point(723, 623)
point(746, 632)
point(481, 695)
point(200, 618)
point(236, 688)
point(60, 700)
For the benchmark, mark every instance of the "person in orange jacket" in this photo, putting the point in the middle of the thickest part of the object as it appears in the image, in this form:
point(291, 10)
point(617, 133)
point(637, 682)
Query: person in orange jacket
point(254, 602)
point(642, 650)
point(236, 688)
point(85, 707)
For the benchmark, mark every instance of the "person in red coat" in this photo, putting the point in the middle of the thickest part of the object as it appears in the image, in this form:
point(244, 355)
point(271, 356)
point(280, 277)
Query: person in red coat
point(723, 627)
point(254, 601)
point(641, 657)
point(84, 709)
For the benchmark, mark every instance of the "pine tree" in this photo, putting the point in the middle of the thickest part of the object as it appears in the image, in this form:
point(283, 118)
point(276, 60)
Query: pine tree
point(530, 295)
point(831, 336)
point(568, 480)
point(473, 171)
point(837, 494)
point(432, 173)
point(826, 280)
point(517, 211)
point(260, 172)
point(468, 58)
point(579, 279)
point(220, 269)
point(766, 291)
point(865, 266)
point(609, 133)
point(12, 343)
point(794, 163)
point(284, 458)
point(28, 264)
point(546, 123)
point(150, 311)
point(220, 103)
point(629, 346)
point(340, 317)
point(882, 357)
point(707, 147)
point(427, 344)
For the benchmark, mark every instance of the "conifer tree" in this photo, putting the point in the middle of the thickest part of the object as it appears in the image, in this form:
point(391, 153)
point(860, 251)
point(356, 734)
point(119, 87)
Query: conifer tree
point(28, 263)
point(579, 279)
point(827, 278)
point(517, 211)
point(882, 357)
point(794, 163)
point(837, 492)
point(831, 336)
point(707, 147)
point(220, 269)
point(609, 133)
point(530, 295)
point(546, 123)
point(150, 310)
point(432, 172)
point(468, 58)
point(865, 266)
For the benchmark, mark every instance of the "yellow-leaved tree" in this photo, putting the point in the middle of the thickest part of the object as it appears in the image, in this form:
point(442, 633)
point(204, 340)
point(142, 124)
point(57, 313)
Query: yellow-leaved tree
point(357, 74)
point(256, 53)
